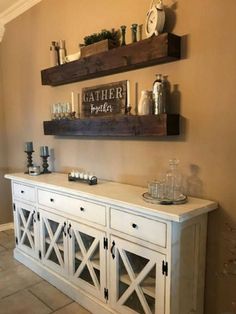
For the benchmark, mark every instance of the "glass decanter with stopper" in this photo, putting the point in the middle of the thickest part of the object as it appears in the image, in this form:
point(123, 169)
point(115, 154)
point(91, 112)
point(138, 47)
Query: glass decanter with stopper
point(174, 186)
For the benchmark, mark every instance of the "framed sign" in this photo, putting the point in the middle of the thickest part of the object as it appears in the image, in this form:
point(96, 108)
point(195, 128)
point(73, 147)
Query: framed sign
point(105, 100)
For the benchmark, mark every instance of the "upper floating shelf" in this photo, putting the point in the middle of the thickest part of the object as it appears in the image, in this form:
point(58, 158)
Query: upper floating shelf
point(151, 51)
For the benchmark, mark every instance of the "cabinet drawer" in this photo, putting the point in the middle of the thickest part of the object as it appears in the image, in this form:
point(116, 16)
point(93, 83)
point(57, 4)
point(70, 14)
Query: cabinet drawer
point(140, 227)
point(83, 209)
point(24, 192)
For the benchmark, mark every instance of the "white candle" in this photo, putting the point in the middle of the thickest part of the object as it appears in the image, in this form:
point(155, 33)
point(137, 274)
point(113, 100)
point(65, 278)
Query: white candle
point(79, 108)
point(128, 94)
point(72, 102)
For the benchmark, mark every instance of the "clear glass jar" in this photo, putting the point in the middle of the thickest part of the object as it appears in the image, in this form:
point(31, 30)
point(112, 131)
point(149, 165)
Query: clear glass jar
point(173, 181)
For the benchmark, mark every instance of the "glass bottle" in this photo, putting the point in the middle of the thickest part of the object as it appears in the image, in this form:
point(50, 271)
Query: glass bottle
point(53, 54)
point(173, 181)
point(159, 98)
point(145, 103)
point(62, 52)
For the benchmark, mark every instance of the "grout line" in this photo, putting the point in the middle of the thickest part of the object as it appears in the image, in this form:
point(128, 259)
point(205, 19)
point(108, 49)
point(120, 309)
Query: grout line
point(35, 295)
point(60, 308)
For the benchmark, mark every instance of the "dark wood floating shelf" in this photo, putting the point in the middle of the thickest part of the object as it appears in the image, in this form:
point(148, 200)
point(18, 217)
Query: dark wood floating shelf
point(120, 126)
point(148, 52)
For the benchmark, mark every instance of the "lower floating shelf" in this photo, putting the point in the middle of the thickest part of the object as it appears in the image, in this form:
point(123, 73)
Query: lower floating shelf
point(120, 126)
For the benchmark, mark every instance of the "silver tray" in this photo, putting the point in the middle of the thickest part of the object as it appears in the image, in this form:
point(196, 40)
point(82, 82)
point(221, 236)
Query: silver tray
point(148, 198)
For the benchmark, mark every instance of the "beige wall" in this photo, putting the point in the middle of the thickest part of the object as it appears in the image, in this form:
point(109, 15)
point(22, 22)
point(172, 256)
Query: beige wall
point(206, 79)
point(5, 207)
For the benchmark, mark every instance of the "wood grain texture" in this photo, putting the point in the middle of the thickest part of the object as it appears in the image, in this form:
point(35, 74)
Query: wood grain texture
point(121, 126)
point(148, 52)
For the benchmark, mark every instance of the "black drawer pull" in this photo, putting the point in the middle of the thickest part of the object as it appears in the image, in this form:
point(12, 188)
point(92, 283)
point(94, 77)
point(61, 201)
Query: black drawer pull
point(82, 209)
point(22, 192)
point(51, 200)
point(134, 226)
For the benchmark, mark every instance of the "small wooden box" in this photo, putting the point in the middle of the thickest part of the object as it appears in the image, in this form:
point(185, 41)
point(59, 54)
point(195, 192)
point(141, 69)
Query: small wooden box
point(101, 46)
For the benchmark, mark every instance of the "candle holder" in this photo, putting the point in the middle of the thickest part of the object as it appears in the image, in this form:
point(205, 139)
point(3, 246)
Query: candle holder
point(123, 31)
point(72, 115)
point(45, 164)
point(29, 159)
point(134, 29)
point(128, 110)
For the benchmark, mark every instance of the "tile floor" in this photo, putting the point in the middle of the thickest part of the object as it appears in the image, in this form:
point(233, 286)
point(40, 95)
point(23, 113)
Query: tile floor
point(23, 292)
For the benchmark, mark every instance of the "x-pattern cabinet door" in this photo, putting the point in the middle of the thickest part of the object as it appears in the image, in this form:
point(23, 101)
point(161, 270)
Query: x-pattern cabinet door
point(87, 258)
point(138, 282)
point(26, 227)
point(54, 242)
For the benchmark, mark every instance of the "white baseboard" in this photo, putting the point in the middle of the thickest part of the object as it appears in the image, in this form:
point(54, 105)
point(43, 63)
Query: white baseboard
point(8, 226)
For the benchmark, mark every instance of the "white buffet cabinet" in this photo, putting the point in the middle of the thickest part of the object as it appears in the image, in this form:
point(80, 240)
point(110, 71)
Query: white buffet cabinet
point(107, 248)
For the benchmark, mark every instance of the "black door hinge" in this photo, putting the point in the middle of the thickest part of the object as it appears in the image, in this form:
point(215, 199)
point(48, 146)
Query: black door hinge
point(40, 255)
point(165, 268)
point(38, 216)
point(106, 293)
point(14, 207)
point(105, 243)
point(16, 241)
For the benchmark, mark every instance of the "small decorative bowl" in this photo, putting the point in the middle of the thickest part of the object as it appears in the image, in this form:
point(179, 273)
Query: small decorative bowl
point(34, 171)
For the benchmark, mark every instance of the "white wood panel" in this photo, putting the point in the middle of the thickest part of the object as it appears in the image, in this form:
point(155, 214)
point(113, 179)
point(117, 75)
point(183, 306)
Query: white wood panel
point(123, 195)
point(24, 192)
point(74, 206)
point(140, 227)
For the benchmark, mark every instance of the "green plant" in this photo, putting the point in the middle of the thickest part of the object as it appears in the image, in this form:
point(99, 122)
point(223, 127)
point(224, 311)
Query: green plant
point(104, 34)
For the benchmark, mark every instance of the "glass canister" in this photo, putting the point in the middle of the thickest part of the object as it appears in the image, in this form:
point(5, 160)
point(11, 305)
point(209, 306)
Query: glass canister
point(145, 104)
point(173, 181)
point(159, 95)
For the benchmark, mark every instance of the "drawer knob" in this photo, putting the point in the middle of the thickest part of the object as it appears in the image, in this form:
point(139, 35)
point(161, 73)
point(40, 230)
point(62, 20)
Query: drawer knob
point(22, 192)
point(82, 209)
point(51, 200)
point(134, 226)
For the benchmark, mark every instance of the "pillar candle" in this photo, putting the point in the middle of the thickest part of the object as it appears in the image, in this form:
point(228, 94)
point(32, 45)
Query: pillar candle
point(128, 94)
point(29, 147)
point(44, 151)
point(72, 102)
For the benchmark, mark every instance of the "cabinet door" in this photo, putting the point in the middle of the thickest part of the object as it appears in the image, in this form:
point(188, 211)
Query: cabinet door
point(26, 228)
point(87, 258)
point(54, 242)
point(137, 282)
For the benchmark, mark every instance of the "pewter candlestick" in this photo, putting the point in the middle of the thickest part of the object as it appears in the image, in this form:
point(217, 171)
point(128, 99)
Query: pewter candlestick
point(29, 160)
point(45, 164)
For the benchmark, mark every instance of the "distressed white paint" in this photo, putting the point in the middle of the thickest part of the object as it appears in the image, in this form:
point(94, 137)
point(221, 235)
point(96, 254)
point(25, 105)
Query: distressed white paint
point(180, 232)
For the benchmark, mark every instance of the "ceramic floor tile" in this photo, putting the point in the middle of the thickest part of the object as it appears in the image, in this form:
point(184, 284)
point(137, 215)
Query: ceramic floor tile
point(15, 279)
point(50, 295)
point(23, 302)
point(7, 260)
point(73, 308)
point(7, 240)
point(2, 248)
point(10, 232)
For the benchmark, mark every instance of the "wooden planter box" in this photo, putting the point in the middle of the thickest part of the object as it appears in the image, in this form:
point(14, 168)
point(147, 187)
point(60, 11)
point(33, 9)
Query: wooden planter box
point(101, 46)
